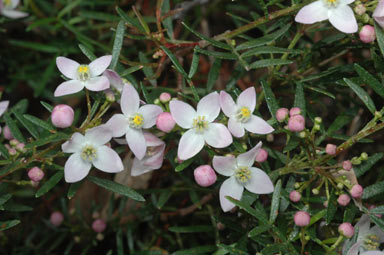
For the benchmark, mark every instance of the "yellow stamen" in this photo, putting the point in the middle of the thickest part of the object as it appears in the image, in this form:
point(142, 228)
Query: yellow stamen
point(200, 124)
point(243, 174)
point(136, 121)
point(244, 114)
point(83, 73)
point(88, 153)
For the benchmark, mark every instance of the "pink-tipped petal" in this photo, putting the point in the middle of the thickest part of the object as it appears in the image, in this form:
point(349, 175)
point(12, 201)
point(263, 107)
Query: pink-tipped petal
point(76, 169)
point(150, 113)
point(224, 165)
point(236, 127)
point(68, 87)
point(227, 104)
point(258, 126)
point(118, 124)
point(217, 135)
point(114, 79)
point(130, 100)
point(248, 158)
point(343, 19)
point(99, 65)
point(136, 142)
point(247, 98)
point(99, 135)
point(182, 113)
point(232, 188)
point(260, 183)
point(74, 144)
point(97, 83)
point(190, 144)
point(13, 14)
point(3, 107)
point(68, 67)
point(108, 160)
point(209, 106)
point(312, 13)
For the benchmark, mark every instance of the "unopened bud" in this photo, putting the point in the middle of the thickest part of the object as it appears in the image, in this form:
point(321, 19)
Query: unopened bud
point(281, 114)
point(302, 218)
point(56, 218)
point(346, 229)
point(357, 191)
point(205, 176)
point(35, 174)
point(262, 156)
point(294, 196)
point(62, 116)
point(165, 97)
point(99, 225)
point(165, 122)
point(330, 149)
point(347, 165)
point(343, 200)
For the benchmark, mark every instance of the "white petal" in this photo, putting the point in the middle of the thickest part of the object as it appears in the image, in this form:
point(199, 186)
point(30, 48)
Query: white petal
point(3, 107)
point(258, 126)
point(248, 158)
point(190, 144)
point(346, 1)
point(363, 224)
point(227, 104)
point(232, 188)
point(247, 98)
point(108, 160)
point(354, 249)
point(224, 165)
point(15, 3)
point(209, 106)
point(14, 14)
point(74, 144)
point(343, 19)
point(150, 113)
point(182, 113)
point(375, 230)
point(236, 127)
point(136, 142)
point(99, 65)
point(68, 87)
point(68, 67)
point(118, 124)
point(97, 83)
point(114, 79)
point(260, 183)
point(217, 135)
point(152, 140)
point(312, 13)
point(99, 135)
point(149, 163)
point(130, 100)
point(372, 253)
point(76, 168)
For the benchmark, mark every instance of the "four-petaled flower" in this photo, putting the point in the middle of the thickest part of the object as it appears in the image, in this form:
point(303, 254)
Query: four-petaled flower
point(240, 114)
point(241, 175)
point(199, 123)
point(88, 150)
point(7, 8)
point(82, 75)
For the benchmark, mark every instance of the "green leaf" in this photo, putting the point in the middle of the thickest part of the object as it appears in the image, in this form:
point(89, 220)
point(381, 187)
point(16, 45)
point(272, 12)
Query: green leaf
point(131, 70)
point(47, 106)
point(377, 210)
point(379, 222)
point(300, 98)
point(142, 22)
point(370, 80)
point(38, 122)
point(27, 124)
point(68, 7)
point(339, 122)
point(373, 190)
point(4, 151)
point(213, 74)
point(117, 44)
point(73, 189)
point(267, 50)
point(331, 208)
point(270, 98)
point(232, 250)
point(119, 242)
point(362, 94)
point(254, 212)
point(269, 62)
point(380, 37)
point(12, 207)
point(49, 139)
point(272, 249)
point(35, 46)
point(5, 198)
point(191, 229)
point(87, 52)
point(216, 54)
point(147, 70)
point(206, 249)
point(50, 183)
point(184, 165)
point(13, 127)
point(117, 188)
point(8, 224)
point(163, 198)
point(132, 21)
point(175, 62)
point(275, 202)
point(322, 91)
point(366, 165)
point(195, 63)
point(167, 23)
point(258, 230)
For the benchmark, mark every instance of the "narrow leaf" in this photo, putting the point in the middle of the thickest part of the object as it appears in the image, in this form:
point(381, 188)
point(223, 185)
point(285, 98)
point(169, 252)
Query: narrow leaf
point(270, 98)
point(370, 80)
point(362, 94)
point(13, 127)
point(300, 98)
point(50, 183)
point(117, 44)
point(8, 224)
point(269, 62)
point(275, 202)
point(213, 74)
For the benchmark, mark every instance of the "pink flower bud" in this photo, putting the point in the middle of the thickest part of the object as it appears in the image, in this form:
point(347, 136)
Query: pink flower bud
point(165, 122)
point(165, 97)
point(7, 133)
point(205, 176)
point(294, 111)
point(347, 165)
point(296, 123)
point(12, 151)
point(62, 116)
point(357, 191)
point(99, 226)
point(20, 147)
point(330, 149)
point(13, 142)
point(343, 200)
point(325, 204)
point(35, 174)
point(302, 218)
point(262, 156)
point(360, 9)
point(346, 229)
point(281, 114)
point(294, 196)
point(56, 218)
point(367, 34)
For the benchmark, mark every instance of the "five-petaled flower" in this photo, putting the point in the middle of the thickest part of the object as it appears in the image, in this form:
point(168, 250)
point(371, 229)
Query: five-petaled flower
point(241, 175)
point(200, 125)
point(7, 9)
point(81, 76)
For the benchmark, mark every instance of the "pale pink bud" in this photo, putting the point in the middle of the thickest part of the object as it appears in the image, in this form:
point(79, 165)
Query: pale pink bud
point(346, 229)
point(7, 133)
point(12, 151)
point(13, 142)
point(367, 34)
point(62, 116)
point(99, 225)
point(165, 122)
point(35, 174)
point(357, 191)
point(205, 176)
point(296, 123)
point(325, 204)
point(343, 200)
point(165, 97)
point(56, 218)
point(360, 9)
point(330, 149)
point(294, 111)
point(294, 196)
point(347, 165)
point(302, 218)
point(262, 156)
point(20, 147)
point(281, 114)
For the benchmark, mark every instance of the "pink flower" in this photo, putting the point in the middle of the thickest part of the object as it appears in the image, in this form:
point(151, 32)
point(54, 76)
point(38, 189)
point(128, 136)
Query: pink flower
point(133, 120)
point(165, 97)
point(343, 200)
point(241, 175)
point(165, 122)
point(378, 14)
point(201, 128)
point(346, 229)
point(99, 225)
point(7, 9)
point(3, 106)
point(294, 196)
point(347, 165)
point(281, 114)
point(114, 79)
point(302, 218)
point(7, 133)
point(367, 34)
point(240, 114)
point(62, 116)
point(357, 191)
point(81, 76)
point(262, 156)
point(56, 218)
point(330, 149)
point(205, 176)
point(296, 123)
point(35, 174)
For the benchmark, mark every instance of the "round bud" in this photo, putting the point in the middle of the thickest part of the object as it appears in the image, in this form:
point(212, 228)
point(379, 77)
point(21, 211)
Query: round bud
point(165, 122)
point(347, 165)
point(318, 120)
point(302, 218)
point(357, 191)
point(99, 225)
point(294, 196)
point(330, 149)
point(110, 96)
point(262, 156)
point(325, 204)
point(315, 191)
point(7, 133)
point(346, 229)
point(296, 123)
point(343, 200)
point(340, 185)
point(364, 156)
point(13, 142)
point(294, 111)
point(316, 127)
point(302, 134)
point(297, 185)
point(12, 151)
point(281, 114)
point(35, 174)
point(270, 138)
point(56, 218)
point(165, 97)
point(62, 116)
point(205, 176)
point(20, 147)
point(360, 9)
point(367, 34)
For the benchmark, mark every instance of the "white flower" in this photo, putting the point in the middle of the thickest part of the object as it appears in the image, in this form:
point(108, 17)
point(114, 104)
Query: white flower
point(339, 14)
point(88, 150)
point(241, 175)
point(7, 8)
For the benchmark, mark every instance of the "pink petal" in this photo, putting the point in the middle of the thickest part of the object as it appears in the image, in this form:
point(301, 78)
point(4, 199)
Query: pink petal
point(182, 113)
point(227, 104)
point(343, 19)
point(150, 113)
point(247, 98)
point(74, 144)
point(76, 169)
point(114, 79)
point(148, 163)
point(152, 140)
point(68, 87)
point(68, 67)
point(97, 83)
point(248, 158)
point(217, 135)
point(108, 160)
point(136, 142)
point(224, 165)
point(236, 127)
point(378, 14)
point(209, 106)
point(190, 144)
point(118, 124)
point(260, 183)
point(13, 14)
point(312, 13)
point(99, 135)
point(232, 188)
point(130, 100)
point(99, 65)
point(258, 126)
point(3, 107)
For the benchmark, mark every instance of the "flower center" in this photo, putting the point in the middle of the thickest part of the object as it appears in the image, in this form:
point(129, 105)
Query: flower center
point(331, 3)
point(371, 243)
point(243, 174)
point(83, 73)
point(244, 114)
point(200, 124)
point(88, 153)
point(136, 121)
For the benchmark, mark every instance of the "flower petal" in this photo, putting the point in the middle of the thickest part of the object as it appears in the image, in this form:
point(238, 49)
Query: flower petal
point(236, 127)
point(378, 14)
point(68, 67)
point(14, 3)
point(97, 83)
point(209, 106)
point(258, 126)
point(232, 188)
point(99, 65)
point(224, 165)
point(13, 14)
point(130, 100)
point(74, 144)
point(99, 135)
point(312, 13)
point(68, 87)
point(150, 113)
point(190, 144)
point(136, 142)
point(249, 157)
point(152, 140)
point(363, 224)
point(260, 183)
point(217, 135)
point(76, 169)
point(346, 1)
point(3, 107)
point(108, 160)
point(146, 165)
point(182, 113)
point(354, 249)
point(372, 253)
point(247, 98)
point(114, 79)
point(118, 124)
point(375, 230)
point(227, 104)
point(343, 19)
